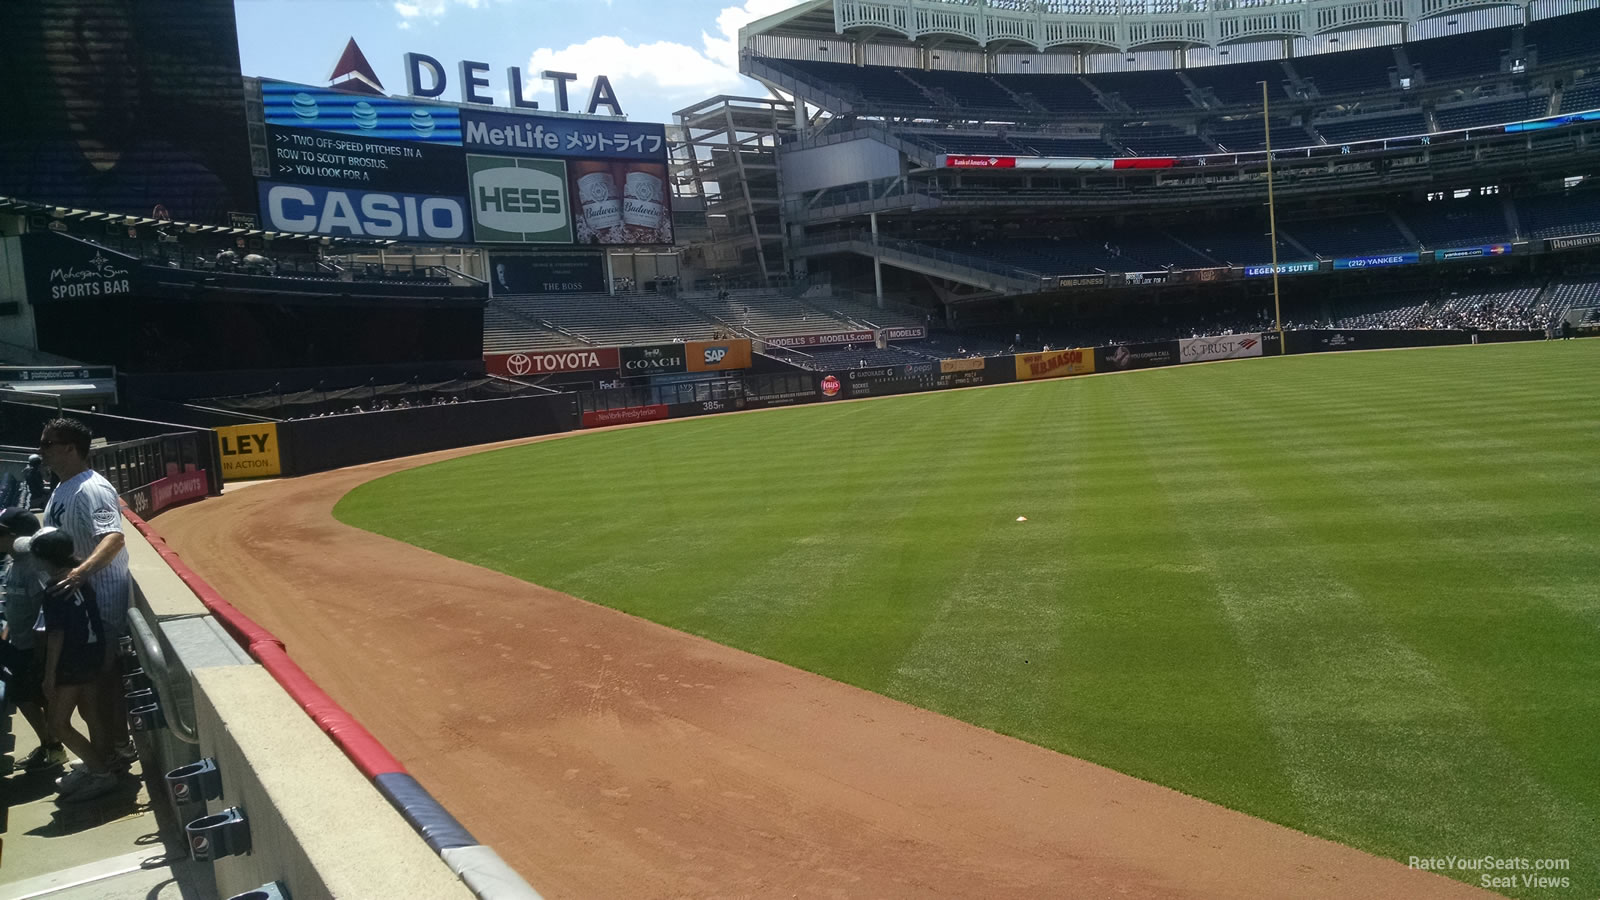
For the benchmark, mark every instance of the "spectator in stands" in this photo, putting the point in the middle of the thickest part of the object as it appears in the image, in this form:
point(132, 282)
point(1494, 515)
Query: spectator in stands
point(85, 506)
point(25, 658)
point(75, 654)
point(34, 494)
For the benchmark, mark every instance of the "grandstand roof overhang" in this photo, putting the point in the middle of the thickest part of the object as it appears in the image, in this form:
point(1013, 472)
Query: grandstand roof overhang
point(1098, 25)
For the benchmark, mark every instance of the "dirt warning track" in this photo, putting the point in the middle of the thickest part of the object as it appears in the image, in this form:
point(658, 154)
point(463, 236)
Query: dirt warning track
point(607, 757)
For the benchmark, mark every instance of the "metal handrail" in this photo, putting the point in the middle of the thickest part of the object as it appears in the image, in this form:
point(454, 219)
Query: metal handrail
point(155, 666)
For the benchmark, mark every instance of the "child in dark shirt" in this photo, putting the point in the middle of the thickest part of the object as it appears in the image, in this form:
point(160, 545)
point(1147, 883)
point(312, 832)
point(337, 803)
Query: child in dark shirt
point(74, 659)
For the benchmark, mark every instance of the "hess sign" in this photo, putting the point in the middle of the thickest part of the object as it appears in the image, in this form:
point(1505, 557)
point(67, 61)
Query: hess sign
point(425, 78)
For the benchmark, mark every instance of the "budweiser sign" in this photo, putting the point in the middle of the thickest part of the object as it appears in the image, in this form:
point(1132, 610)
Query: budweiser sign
point(551, 362)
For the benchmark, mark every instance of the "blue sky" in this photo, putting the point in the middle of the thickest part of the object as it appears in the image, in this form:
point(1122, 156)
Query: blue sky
point(661, 55)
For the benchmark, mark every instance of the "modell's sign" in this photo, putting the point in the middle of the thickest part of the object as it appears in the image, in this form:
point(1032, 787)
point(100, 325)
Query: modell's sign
point(822, 340)
point(551, 362)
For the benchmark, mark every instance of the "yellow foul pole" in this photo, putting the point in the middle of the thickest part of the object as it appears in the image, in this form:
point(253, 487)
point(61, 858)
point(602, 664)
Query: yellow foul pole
point(1272, 218)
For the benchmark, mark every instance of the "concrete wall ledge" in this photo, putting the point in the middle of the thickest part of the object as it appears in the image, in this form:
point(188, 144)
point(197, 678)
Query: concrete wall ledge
point(316, 824)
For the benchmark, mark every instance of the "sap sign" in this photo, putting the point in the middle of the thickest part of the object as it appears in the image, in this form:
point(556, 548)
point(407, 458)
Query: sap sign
point(309, 209)
point(520, 201)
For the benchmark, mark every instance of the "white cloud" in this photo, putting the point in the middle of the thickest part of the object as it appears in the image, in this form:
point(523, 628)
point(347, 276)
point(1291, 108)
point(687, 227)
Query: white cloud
point(431, 9)
point(651, 80)
point(724, 47)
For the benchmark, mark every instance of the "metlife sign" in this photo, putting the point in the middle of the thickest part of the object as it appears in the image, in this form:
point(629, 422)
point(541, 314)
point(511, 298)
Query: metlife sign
point(522, 201)
point(1375, 262)
point(313, 209)
point(550, 136)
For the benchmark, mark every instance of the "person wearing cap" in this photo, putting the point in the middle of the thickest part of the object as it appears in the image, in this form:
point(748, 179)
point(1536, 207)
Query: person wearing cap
point(86, 507)
point(74, 645)
point(24, 597)
point(34, 494)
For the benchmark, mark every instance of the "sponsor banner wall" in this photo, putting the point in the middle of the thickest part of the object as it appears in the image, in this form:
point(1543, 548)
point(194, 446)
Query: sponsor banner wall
point(58, 267)
point(315, 209)
point(1228, 346)
point(1135, 356)
point(1472, 252)
point(1081, 281)
point(1319, 341)
point(904, 333)
point(659, 359)
point(249, 451)
point(359, 115)
point(519, 201)
point(822, 340)
point(546, 273)
point(1146, 277)
point(717, 356)
point(1375, 262)
point(1569, 243)
point(1284, 268)
point(974, 364)
point(884, 380)
point(999, 370)
point(1054, 364)
point(652, 413)
point(551, 362)
point(179, 488)
point(703, 407)
point(553, 136)
point(307, 156)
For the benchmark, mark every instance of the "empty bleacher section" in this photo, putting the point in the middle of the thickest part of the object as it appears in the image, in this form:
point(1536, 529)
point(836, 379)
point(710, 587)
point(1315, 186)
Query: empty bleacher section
point(504, 329)
point(1471, 220)
point(598, 319)
point(1347, 72)
point(1476, 54)
point(1572, 294)
point(1495, 112)
point(969, 91)
point(1565, 38)
point(1243, 246)
point(1581, 96)
point(1556, 215)
point(1161, 140)
point(1366, 128)
point(1065, 94)
point(1145, 91)
point(1237, 84)
point(768, 313)
point(1349, 235)
point(1241, 135)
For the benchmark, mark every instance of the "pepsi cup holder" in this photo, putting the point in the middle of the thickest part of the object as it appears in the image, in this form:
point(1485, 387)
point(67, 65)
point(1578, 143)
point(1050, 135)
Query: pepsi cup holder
point(135, 680)
point(213, 837)
point(146, 718)
point(195, 783)
point(273, 891)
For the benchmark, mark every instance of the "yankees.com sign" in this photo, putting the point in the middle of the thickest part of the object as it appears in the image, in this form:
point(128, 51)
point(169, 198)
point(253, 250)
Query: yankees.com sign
point(551, 362)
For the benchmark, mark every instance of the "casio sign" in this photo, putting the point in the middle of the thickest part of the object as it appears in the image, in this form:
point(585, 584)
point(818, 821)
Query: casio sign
point(715, 355)
point(306, 209)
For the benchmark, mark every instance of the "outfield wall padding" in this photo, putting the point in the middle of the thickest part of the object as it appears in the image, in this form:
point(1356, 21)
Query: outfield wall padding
point(333, 442)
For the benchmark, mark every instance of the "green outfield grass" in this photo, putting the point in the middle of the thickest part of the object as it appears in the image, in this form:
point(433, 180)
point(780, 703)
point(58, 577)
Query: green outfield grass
point(1357, 594)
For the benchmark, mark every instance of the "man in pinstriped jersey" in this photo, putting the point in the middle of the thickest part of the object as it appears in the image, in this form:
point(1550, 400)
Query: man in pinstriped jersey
point(85, 506)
